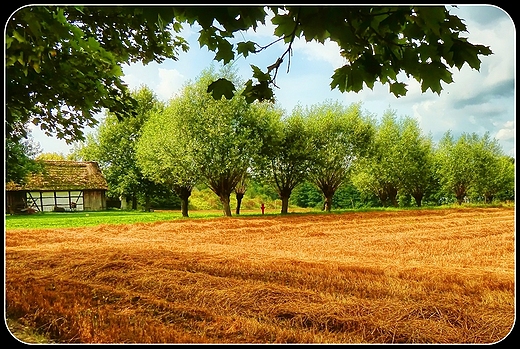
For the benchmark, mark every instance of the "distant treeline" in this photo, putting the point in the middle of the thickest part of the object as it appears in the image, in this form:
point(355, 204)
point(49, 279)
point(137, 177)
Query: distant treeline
point(195, 152)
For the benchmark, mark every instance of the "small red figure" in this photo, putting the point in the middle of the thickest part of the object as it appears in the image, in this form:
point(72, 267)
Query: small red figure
point(263, 208)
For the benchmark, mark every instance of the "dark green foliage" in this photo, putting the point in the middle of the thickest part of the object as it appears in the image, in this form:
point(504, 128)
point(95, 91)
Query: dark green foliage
point(378, 43)
point(221, 87)
point(348, 197)
point(405, 200)
point(19, 159)
point(307, 195)
point(165, 199)
point(64, 64)
point(257, 188)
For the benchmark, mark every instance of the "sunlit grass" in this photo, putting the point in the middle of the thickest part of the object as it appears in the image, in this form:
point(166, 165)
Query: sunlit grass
point(93, 218)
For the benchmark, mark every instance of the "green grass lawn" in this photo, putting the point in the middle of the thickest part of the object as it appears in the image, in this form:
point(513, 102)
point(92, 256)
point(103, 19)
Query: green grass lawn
point(93, 218)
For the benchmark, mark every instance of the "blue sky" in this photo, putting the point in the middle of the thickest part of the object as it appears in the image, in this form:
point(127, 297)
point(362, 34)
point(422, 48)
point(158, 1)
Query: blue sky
point(476, 102)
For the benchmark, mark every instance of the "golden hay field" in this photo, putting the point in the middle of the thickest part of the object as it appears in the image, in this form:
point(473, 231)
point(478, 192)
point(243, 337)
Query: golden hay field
point(430, 276)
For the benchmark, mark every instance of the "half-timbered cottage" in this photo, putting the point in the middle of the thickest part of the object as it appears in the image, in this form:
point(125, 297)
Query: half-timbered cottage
point(61, 186)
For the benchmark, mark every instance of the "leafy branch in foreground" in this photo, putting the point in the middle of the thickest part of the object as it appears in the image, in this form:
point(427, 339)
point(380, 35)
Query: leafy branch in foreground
point(63, 63)
point(377, 43)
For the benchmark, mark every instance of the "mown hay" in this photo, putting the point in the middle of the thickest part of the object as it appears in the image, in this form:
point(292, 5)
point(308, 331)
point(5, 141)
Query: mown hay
point(429, 276)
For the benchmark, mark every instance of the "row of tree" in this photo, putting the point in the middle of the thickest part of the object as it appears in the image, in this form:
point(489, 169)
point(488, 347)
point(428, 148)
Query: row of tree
point(227, 143)
point(405, 161)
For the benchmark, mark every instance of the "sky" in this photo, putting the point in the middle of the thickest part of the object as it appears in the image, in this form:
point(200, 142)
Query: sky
point(477, 101)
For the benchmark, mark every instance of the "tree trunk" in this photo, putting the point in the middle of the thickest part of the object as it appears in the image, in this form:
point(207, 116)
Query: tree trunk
point(147, 203)
point(418, 199)
point(382, 196)
point(134, 202)
point(393, 197)
point(124, 202)
point(285, 204)
point(328, 202)
point(184, 207)
point(328, 187)
point(184, 194)
point(460, 193)
point(225, 205)
point(239, 202)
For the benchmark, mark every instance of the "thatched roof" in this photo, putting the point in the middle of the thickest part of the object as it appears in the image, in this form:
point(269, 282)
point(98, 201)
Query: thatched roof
point(64, 175)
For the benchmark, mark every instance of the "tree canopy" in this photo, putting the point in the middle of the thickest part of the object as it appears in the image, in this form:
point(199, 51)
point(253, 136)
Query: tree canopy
point(163, 154)
point(64, 63)
point(415, 161)
point(222, 144)
point(290, 156)
point(473, 165)
point(377, 43)
point(379, 171)
point(68, 58)
point(198, 136)
point(338, 135)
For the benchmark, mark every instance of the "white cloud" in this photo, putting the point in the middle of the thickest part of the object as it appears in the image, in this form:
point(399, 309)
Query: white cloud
point(431, 116)
point(499, 66)
point(164, 82)
point(496, 69)
point(137, 74)
point(505, 134)
point(133, 81)
point(315, 51)
point(170, 82)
